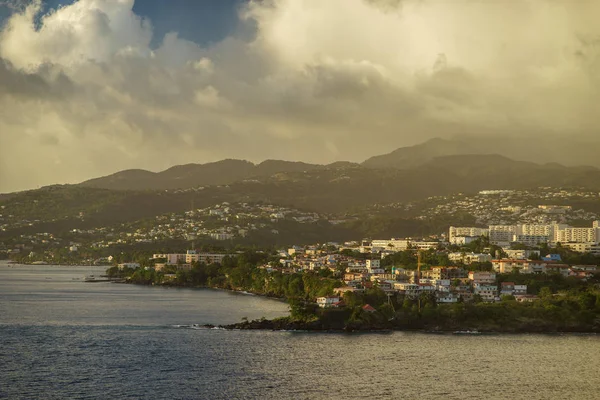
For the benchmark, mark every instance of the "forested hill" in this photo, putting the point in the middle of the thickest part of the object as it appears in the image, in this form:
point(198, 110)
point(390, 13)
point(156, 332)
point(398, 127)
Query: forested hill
point(193, 175)
point(326, 189)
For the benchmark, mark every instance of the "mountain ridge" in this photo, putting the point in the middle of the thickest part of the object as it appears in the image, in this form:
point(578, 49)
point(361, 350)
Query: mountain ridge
point(434, 153)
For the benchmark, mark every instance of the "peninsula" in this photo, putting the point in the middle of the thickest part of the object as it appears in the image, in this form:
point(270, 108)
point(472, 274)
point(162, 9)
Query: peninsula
point(387, 297)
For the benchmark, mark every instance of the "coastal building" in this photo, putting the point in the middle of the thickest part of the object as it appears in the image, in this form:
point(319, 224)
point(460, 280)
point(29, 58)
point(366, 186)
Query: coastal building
point(486, 291)
point(328, 301)
point(190, 257)
point(368, 308)
point(130, 265)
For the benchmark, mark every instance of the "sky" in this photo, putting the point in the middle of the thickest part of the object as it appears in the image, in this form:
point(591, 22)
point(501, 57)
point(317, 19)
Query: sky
point(91, 87)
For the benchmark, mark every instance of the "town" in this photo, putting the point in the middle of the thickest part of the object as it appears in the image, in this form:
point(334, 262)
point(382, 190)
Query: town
point(532, 247)
point(464, 275)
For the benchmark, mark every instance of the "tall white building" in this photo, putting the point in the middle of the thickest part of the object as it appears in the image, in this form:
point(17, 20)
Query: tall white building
point(535, 230)
point(391, 244)
point(577, 235)
point(530, 240)
point(468, 231)
point(502, 235)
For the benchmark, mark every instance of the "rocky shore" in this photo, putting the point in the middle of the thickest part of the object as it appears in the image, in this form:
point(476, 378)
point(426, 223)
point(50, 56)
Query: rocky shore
point(286, 324)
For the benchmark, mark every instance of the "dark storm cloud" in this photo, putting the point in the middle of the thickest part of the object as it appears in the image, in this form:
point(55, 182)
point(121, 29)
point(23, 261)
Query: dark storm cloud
point(309, 80)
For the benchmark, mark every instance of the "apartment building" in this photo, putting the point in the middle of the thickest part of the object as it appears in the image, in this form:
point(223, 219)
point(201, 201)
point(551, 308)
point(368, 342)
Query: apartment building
point(502, 235)
point(523, 266)
point(467, 231)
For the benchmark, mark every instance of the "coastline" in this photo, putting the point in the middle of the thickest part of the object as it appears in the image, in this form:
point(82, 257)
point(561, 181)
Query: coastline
point(324, 325)
point(300, 327)
point(237, 291)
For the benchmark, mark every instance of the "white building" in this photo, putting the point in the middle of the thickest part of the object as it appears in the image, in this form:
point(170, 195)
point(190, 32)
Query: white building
point(523, 266)
point(469, 258)
point(373, 264)
point(487, 292)
point(443, 297)
point(425, 245)
point(583, 247)
point(521, 254)
point(535, 229)
point(328, 301)
point(190, 257)
point(462, 240)
point(128, 265)
point(221, 236)
point(391, 244)
point(408, 289)
point(482, 277)
point(530, 240)
point(466, 231)
point(502, 235)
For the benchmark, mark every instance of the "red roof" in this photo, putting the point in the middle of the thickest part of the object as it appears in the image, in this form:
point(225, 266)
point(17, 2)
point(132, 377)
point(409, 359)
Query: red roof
point(368, 308)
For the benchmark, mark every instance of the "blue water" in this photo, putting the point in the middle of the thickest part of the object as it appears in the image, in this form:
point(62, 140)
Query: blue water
point(61, 338)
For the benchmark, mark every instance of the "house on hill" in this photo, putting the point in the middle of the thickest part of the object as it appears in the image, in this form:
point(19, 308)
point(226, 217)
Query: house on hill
point(368, 308)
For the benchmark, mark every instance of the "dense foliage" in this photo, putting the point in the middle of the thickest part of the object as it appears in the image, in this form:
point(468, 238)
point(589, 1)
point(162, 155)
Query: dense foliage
point(565, 304)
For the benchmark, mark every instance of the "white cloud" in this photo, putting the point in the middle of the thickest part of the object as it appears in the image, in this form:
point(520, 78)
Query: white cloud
point(320, 81)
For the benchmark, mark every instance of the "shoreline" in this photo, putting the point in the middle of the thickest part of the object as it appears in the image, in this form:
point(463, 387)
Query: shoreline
point(286, 324)
point(237, 291)
point(247, 326)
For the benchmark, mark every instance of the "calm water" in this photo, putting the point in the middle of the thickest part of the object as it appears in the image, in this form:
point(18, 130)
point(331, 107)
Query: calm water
point(61, 338)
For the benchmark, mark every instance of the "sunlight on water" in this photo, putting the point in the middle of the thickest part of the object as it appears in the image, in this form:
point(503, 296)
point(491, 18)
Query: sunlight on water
point(64, 338)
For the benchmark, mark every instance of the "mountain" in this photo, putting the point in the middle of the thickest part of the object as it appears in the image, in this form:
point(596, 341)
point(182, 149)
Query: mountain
point(193, 175)
point(481, 153)
point(335, 189)
point(572, 152)
point(414, 156)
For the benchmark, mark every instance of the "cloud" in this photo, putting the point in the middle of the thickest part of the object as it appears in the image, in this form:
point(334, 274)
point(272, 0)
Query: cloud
point(83, 92)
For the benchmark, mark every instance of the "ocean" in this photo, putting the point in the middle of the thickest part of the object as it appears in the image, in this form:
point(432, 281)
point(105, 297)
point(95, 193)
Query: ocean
point(62, 338)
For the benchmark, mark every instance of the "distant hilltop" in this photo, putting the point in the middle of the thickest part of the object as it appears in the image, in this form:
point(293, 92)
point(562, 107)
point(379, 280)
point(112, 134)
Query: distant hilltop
point(481, 158)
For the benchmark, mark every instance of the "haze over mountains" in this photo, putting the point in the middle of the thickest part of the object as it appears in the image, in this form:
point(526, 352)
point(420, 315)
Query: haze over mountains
point(516, 164)
point(405, 175)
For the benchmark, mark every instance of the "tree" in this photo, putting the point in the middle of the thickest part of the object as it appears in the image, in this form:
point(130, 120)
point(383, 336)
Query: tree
point(506, 297)
point(302, 310)
point(545, 293)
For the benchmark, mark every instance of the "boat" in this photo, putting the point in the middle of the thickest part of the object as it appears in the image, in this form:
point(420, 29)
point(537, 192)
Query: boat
point(94, 278)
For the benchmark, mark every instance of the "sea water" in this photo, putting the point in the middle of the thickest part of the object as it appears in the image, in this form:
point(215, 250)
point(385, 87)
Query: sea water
point(63, 338)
